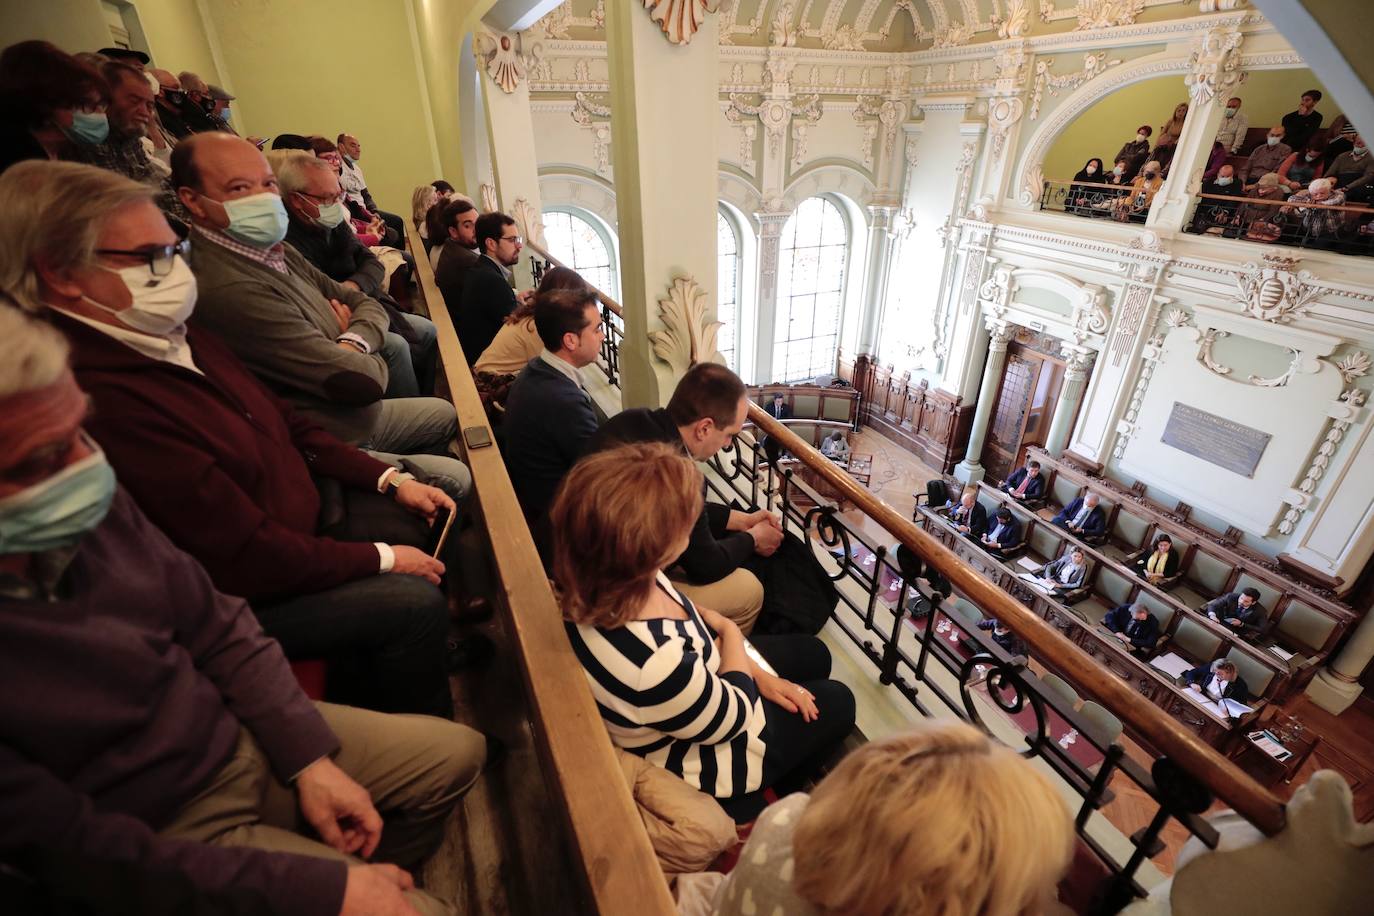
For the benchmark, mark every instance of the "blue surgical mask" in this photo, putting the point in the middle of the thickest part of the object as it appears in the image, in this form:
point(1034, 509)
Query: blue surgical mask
point(58, 511)
point(330, 215)
point(224, 115)
point(92, 128)
point(259, 220)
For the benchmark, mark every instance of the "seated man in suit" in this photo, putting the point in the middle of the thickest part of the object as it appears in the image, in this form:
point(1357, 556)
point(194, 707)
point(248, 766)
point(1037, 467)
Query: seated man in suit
point(835, 447)
point(1003, 636)
point(549, 414)
point(1067, 573)
point(1218, 680)
point(1237, 611)
point(1083, 517)
point(148, 720)
point(707, 410)
point(1025, 482)
point(487, 293)
point(1004, 534)
point(1159, 563)
point(969, 517)
point(459, 220)
point(1133, 624)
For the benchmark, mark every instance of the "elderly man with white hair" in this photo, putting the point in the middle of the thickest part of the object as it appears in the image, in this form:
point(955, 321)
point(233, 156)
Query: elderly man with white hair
point(147, 721)
point(1316, 208)
point(1083, 517)
point(321, 231)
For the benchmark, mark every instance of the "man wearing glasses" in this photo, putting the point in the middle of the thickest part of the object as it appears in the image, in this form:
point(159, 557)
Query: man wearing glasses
point(488, 296)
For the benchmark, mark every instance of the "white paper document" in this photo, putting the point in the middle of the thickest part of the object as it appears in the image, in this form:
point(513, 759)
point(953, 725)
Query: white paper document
point(1265, 742)
point(1034, 582)
point(1282, 653)
point(1226, 709)
point(1171, 664)
point(1028, 563)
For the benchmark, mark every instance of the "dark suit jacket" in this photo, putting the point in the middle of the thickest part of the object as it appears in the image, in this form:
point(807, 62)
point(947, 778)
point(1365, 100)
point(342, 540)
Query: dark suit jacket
point(713, 552)
point(451, 271)
point(978, 518)
point(1236, 690)
point(548, 423)
point(1142, 633)
point(338, 254)
point(1170, 562)
point(1010, 535)
point(486, 301)
point(783, 412)
point(1034, 490)
point(1228, 605)
point(1095, 524)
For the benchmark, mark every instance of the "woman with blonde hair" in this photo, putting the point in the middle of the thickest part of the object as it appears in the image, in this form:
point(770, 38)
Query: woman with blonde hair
point(940, 821)
point(674, 682)
point(421, 199)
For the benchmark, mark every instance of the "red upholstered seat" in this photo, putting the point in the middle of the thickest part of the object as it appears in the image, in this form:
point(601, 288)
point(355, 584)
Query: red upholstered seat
point(310, 674)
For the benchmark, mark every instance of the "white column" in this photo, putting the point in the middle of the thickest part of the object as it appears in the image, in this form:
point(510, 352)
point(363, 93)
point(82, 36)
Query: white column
point(510, 131)
point(1337, 686)
point(876, 277)
point(665, 106)
point(1070, 396)
point(970, 470)
point(770, 244)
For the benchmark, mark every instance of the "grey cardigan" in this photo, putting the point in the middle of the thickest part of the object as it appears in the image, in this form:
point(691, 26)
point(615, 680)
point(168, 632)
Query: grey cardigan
point(282, 327)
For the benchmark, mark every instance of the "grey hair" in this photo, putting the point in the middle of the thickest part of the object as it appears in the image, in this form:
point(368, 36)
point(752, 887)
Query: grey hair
point(34, 352)
point(192, 82)
point(1139, 608)
point(293, 170)
point(54, 213)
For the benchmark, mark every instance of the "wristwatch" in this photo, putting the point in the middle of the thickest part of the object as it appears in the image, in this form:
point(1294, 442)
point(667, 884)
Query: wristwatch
point(393, 483)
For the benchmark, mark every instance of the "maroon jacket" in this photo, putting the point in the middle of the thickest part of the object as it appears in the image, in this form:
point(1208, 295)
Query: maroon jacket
point(221, 464)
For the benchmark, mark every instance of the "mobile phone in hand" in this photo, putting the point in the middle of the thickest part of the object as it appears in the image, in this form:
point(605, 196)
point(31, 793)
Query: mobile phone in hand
point(438, 533)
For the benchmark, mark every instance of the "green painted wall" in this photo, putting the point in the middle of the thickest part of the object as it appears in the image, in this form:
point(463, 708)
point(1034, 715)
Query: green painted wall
point(72, 25)
point(177, 39)
point(1266, 95)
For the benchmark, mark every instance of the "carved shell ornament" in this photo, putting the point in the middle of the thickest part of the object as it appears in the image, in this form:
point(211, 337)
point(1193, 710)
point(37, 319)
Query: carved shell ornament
point(505, 66)
point(680, 19)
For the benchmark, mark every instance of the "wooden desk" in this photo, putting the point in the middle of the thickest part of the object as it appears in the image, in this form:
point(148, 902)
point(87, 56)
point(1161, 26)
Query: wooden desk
point(1106, 649)
point(1259, 763)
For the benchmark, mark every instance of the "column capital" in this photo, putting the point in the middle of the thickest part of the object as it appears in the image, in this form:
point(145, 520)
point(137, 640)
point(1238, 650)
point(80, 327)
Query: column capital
point(1000, 334)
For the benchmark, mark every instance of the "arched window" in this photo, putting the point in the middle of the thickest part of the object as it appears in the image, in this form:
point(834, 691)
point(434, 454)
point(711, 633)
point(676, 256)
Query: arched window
point(727, 278)
point(582, 245)
point(811, 268)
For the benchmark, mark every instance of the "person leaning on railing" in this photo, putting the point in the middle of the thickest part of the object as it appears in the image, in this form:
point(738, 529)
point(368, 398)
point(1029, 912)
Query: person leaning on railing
point(675, 682)
point(1316, 208)
point(942, 819)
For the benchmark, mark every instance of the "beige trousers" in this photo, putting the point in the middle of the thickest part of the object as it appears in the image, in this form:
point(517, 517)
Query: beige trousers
point(414, 767)
point(738, 596)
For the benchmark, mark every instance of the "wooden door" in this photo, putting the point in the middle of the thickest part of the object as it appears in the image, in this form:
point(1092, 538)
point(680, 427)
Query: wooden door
point(1021, 414)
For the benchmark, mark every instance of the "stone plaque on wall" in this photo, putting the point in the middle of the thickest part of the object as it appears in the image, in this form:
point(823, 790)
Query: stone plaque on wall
point(1215, 439)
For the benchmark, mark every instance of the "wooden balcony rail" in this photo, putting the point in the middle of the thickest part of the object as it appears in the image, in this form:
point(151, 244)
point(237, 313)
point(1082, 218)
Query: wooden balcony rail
point(613, 861)
point(1168, 737)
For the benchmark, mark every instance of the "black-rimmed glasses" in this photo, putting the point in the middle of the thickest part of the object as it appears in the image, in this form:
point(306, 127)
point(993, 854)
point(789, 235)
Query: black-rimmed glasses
point(160, 258)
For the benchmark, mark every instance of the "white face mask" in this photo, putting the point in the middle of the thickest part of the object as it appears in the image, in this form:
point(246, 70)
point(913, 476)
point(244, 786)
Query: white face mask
point(1224, 180)
point(1359, 151)
point(1091, 170)
point(1273, 141)
point(1142, 137)
point(330, 215)
point(1311, 157)
point(160, 305)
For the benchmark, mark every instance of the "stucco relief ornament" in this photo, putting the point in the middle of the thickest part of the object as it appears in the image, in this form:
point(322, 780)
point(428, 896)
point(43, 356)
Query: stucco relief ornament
point(1354, 366)
point(680, 19)
point(781, 32)
point(1017, 20)
point(1032, 186)
point(531, 227)
point(1104, 14)
point(1214, 65)
point(1002, 116)
point(689, 336)
point(953, 36)
point(845, 38)
point(505, 66)
point(488, 194)
point(1275, 293)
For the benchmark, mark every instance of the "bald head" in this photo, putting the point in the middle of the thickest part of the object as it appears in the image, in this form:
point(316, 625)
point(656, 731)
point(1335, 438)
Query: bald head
point(166, 79)
point(192, 83)
point(213, 167)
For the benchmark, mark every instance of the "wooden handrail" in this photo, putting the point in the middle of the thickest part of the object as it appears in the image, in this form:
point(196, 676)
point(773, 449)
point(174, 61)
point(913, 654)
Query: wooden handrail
point(615, 862)
point(1208, 767)
point(1258, 201)
point(610, 303)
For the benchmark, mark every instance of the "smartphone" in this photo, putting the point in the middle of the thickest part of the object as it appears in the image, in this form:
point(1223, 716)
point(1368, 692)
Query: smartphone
point(476, 436)
point(438, 533)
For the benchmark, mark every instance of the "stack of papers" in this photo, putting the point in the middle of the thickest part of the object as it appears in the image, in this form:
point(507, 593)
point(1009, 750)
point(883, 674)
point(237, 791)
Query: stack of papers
point(1226, 709)
point(1028, 563)
point(1171, 664)
point(1034, 582)
point(1266, 742)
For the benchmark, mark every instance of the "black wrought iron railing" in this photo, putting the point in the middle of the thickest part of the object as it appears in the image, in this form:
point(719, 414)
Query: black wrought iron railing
point(612, 316)
point(1095, 200)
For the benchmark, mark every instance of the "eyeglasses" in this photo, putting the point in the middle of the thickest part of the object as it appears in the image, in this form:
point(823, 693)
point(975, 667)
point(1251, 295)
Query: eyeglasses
point(333, 199)
point(513, 238)
point(160, 258)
